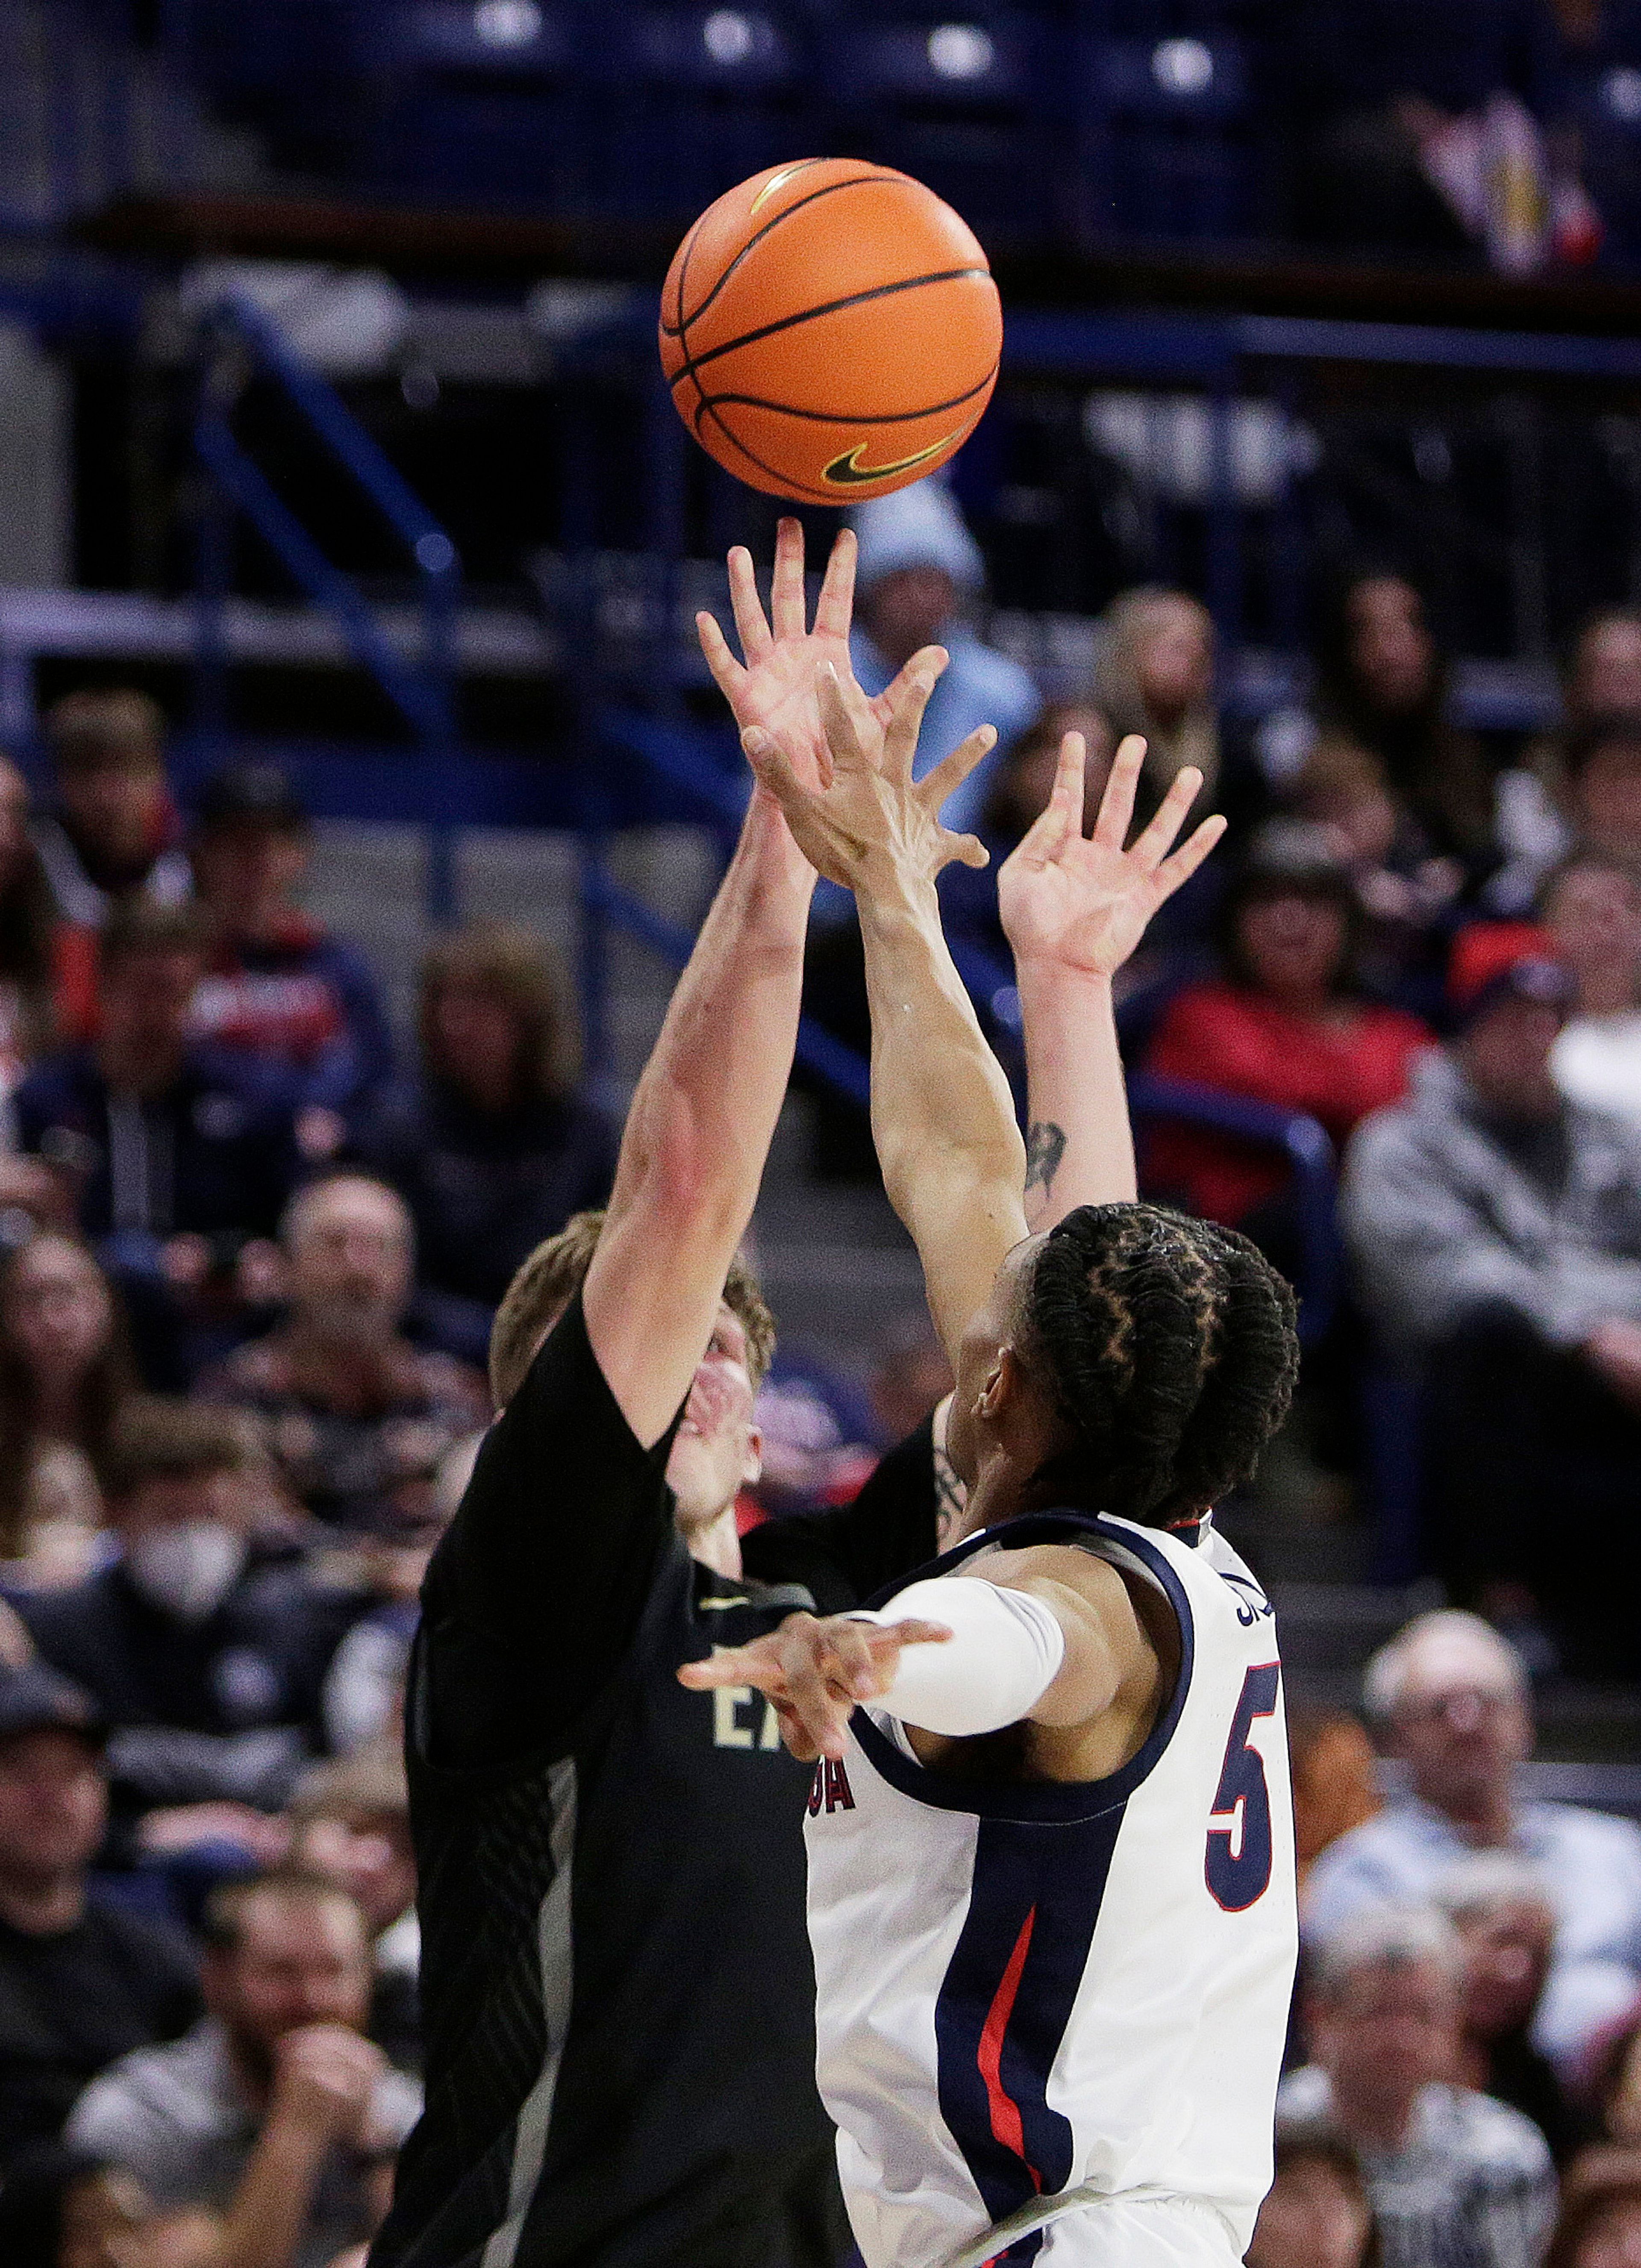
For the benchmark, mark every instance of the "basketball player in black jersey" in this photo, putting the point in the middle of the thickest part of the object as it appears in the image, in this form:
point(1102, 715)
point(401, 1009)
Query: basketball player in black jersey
point(618, 2001)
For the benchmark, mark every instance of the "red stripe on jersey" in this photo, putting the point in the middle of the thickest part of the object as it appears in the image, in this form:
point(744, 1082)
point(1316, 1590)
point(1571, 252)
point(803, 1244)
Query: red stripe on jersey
point(1006, 2124)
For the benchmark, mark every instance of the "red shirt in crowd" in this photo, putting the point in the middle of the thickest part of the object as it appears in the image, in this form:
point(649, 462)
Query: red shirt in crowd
point(1337, 1066)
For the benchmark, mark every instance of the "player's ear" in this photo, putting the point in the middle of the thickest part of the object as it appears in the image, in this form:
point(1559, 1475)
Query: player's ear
point(752, 1464)
point(1004, 1380)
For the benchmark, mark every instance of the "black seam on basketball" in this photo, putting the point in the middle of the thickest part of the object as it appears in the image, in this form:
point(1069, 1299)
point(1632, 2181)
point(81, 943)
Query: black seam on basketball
point(786, 482)
point(693, 363)
point(828, 189)
point(845, 416)
point(683, 270)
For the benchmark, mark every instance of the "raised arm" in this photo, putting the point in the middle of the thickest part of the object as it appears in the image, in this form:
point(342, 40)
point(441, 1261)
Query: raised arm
point(1074, 911)
point(942, 1115)
point(702, 1118)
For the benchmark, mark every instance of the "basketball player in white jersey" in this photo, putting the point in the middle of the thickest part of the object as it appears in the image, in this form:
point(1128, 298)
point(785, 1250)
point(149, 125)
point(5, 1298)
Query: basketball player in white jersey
point(1050, 1847)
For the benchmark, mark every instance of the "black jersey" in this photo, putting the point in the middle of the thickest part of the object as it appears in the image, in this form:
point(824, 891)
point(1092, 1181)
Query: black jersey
point(617, 1992)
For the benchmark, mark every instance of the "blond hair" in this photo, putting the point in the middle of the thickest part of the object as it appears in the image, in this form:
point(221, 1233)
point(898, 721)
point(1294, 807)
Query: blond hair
point(554, 1272)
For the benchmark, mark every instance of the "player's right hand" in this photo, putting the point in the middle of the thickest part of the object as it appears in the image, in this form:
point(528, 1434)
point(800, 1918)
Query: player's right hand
point(774, 693)
point(815, 1673)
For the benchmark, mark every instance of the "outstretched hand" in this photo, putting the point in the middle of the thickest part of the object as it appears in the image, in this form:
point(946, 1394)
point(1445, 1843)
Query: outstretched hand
point(865, 809)
point(774, 691)
point(815, 1673)
point(1086, 904)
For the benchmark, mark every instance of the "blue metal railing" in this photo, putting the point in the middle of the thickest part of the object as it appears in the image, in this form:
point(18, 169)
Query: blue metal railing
point(238, 338)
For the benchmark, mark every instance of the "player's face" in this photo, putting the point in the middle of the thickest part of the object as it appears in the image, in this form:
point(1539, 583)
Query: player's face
point(716, 1452)
point(989, 1332)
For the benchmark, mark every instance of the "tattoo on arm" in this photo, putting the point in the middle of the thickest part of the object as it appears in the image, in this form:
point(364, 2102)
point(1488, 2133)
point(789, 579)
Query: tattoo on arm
point(950, 1496)
point(1045, 1146)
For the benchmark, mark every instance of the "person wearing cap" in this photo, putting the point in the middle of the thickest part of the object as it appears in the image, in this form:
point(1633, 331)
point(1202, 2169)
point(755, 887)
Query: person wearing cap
point(1496, 1232)
point(83, 1981)
point(277, 985)
point(1449, 1700)
point(918, 567)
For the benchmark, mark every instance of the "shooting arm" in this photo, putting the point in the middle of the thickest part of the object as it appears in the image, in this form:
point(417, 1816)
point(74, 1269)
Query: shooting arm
point(699, 1130)
point(942, 1115)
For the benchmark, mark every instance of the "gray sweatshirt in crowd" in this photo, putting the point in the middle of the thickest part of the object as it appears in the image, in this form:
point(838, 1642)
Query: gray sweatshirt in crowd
point(1446, 1210)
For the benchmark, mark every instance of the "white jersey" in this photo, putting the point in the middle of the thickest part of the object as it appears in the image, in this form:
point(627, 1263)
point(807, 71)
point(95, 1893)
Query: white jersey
point(1025, 1987)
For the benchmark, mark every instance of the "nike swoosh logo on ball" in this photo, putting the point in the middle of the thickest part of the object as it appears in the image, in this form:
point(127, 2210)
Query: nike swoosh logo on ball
point(846, 470)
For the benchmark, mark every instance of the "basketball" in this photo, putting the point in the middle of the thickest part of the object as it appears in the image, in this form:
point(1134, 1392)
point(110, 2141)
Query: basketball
point(830, 330)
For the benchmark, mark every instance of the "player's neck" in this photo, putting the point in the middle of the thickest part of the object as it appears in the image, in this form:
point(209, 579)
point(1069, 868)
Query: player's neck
point(716, 1544)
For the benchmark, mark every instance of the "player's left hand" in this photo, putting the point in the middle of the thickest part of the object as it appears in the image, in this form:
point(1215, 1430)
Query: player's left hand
point(774, 691)
point(867, 811)
point(1085, 905)
point(815, 1672)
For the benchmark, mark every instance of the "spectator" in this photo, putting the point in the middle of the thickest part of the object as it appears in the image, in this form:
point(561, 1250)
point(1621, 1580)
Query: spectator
point(492, 1149)
point(1155, 676)
point(1452, 2176)
point(352, 1823)
point(278, 986)
point(1600, 2213)
point(1496, 1229)
point(275, 2111)
point(1376, 93)
point(82, 1981)
point(354, 1416)
point(205, 1649)
point(1382, 685)
point(364, 1685)
point(65, 1376)
point(64, 2208)
point(1603, 676)
point(47, 969)
point(1507, 1922)
point(114, 830)
point(1405, 893)
point(1591, 914)
point(1450, 1698)
point(919, 567)
point(1286, 1026)
point(180, 1154)
point(1604, 789)
point(1317, 2213)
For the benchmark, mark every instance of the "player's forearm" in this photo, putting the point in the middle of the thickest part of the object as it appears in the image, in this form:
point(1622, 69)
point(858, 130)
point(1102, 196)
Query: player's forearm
point(705, 1107)
point(699, 1131)
point(1080, 1147)
point(942, 1115)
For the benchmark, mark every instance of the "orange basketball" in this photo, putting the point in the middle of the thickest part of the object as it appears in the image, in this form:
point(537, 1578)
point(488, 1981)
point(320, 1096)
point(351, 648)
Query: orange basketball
point(830, 330)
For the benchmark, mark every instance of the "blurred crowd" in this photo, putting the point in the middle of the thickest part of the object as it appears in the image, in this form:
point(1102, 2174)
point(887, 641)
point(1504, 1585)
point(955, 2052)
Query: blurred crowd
point(251, 1244)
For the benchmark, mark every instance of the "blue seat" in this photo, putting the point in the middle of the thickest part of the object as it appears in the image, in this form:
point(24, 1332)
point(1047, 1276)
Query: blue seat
point(691, 101)
point(968, 99)
point(1165, 134)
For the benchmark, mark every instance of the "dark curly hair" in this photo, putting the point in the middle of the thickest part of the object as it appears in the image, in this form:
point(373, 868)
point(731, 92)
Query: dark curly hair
point(1168, 1346)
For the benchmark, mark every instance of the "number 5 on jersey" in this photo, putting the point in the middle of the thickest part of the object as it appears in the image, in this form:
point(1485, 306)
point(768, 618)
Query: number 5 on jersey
point(1237, 1860)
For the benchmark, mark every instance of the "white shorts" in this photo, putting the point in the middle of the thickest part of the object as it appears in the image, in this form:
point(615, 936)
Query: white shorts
point(1156, 2233)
